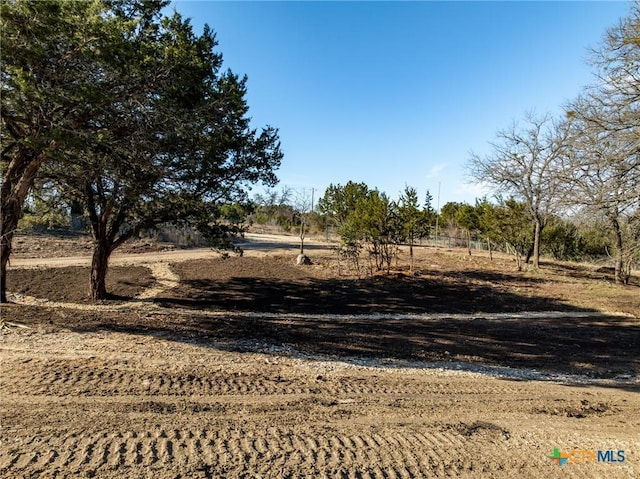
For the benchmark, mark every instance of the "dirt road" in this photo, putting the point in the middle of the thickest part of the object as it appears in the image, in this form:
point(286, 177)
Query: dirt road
point(252, 244)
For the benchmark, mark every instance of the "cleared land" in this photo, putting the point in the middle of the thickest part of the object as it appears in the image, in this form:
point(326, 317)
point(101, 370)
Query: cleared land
point(256, 367)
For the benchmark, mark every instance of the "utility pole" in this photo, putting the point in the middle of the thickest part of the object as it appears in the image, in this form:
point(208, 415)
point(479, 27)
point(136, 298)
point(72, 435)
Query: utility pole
point(437, 214)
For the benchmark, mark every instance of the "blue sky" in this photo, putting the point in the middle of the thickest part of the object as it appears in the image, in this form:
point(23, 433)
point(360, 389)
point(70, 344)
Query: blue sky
point(395, 93)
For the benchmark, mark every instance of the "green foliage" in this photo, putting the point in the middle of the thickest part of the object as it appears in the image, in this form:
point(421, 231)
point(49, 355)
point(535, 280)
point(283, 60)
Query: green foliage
point(467, 217)
point(317, 222)
point(413, 222)
point(487, 220)
point(39, 215)
point(366, 219)
point(429, 211)
point(235, 213)
point(449, 213)
point(374, 222)
point(595, 241)
point(154, 131)
point(285, 222)
point(505, 225)
point(562, 240)
point(514, 227)
point(51, 88)
point(274, 208)
point(339, 201)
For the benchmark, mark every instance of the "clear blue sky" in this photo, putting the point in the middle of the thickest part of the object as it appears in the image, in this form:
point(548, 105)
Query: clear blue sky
point(395, 93)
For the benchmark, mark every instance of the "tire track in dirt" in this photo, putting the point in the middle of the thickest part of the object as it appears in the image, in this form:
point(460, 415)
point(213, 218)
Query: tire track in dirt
point(225, 441)
point(60, 377)
point(115, 405)
point(272, 452)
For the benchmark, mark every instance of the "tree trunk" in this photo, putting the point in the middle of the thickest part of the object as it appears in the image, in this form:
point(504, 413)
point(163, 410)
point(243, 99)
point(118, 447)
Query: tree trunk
point(99, 265)
point(516, 254)
point(469, 242)
point(9, 216)
point(5, 251)
point(518, 260)
point(490, 251)
point(536, 243)
point(356, 261)
point(620, 276)
point(532, 245)
point(411, 253)
point(17, 182)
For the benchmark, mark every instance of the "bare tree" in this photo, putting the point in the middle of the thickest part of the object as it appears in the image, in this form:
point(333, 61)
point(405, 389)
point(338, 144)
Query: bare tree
point(603, 170)
point(602, 166)
point(613, 101)
point(523, 163)
point(303, 205)
point(274, 206)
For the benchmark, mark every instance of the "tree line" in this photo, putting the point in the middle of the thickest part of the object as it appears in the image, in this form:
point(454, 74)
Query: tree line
point(123, 114)
point(369, 221)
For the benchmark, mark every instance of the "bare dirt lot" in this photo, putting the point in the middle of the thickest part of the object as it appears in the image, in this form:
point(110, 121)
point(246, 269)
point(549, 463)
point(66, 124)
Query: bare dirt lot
point(255, 367)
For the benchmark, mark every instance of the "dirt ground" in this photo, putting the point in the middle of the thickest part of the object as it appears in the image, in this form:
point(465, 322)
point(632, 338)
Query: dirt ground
point(255, 367)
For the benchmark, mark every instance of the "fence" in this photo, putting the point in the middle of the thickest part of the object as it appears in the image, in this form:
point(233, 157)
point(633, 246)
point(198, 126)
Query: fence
point(442, 241)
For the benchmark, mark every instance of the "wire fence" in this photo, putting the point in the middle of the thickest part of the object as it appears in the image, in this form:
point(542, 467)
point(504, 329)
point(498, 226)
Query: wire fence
point(443, 241)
